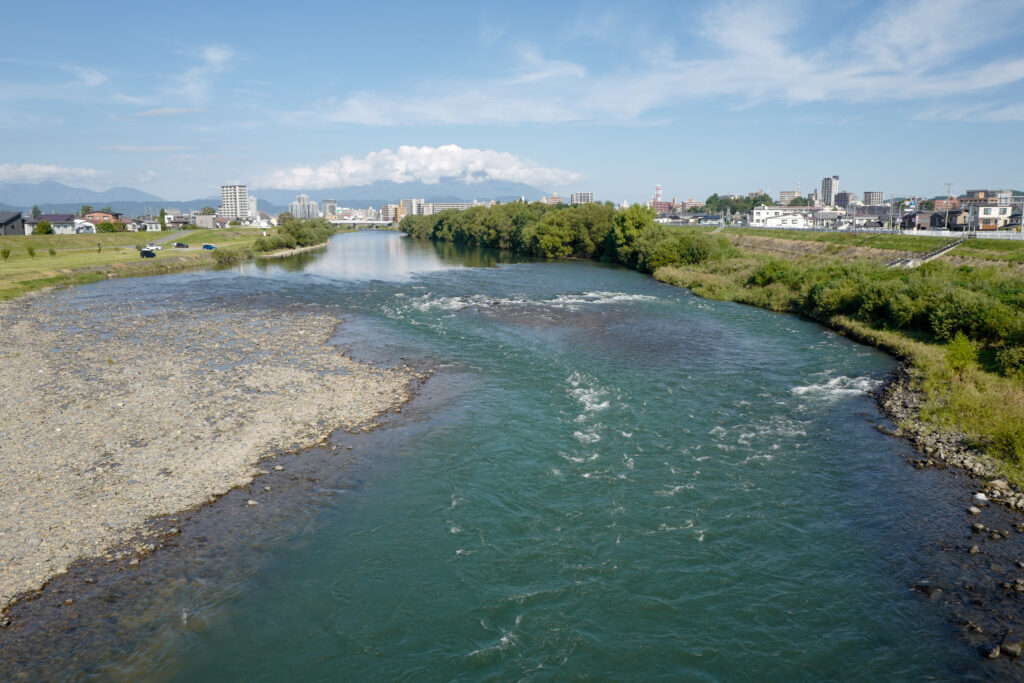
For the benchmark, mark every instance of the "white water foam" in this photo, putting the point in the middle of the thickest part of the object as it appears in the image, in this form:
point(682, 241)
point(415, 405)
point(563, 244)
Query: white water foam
point(838, 387)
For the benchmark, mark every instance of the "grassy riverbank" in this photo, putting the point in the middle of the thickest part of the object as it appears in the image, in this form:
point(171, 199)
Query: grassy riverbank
point(961, 326)
point(80, 259)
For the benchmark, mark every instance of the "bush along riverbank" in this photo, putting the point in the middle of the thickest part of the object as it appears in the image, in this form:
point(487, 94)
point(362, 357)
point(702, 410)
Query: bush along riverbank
point(960, 329)
point(292, 234)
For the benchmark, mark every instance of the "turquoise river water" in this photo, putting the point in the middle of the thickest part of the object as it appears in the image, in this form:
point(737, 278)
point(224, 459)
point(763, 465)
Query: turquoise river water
point(607, 478)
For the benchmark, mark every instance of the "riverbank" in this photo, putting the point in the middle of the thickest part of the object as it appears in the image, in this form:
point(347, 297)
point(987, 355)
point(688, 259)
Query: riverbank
point(117, 412)
point(81, 259)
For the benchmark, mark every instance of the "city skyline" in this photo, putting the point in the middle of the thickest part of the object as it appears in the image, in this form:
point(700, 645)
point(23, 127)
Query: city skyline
point(728, 97)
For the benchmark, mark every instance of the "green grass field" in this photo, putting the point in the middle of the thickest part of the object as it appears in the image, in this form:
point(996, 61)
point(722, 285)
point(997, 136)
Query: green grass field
point(77, 259)
point(920, 244)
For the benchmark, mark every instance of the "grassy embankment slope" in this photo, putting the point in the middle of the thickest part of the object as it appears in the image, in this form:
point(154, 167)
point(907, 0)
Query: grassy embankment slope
point(958, 320)
point(79, 259)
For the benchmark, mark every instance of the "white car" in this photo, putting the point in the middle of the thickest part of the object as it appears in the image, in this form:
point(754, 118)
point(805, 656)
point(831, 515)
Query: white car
point(154, 246)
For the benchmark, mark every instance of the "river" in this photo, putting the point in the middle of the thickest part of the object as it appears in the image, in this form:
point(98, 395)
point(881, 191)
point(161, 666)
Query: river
point(605, 478)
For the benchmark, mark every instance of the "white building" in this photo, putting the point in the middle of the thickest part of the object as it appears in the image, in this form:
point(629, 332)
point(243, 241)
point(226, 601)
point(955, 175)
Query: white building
point(581, 198)
point(254, 212)
point(303, 208)
point(990, 217)
point(234, 202)
point(829, 190)
point(776, 217)
point(873, 198)
point(83, 227)
point(412, 207)
point(552, 200)
point(329, 208)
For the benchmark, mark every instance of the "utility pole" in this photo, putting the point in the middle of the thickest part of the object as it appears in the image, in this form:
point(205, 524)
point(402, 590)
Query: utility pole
point(945, 222)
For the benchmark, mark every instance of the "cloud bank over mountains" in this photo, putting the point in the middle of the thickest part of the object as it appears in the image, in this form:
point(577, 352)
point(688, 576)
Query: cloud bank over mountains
point(427, 165)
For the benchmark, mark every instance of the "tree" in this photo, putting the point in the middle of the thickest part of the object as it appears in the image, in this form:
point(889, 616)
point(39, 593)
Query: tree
point(107, 226)
point(207, 211)
point(108, 209)
point(961, 354)
point(800, 201)
point(43, 228)
point(163, 219)
point(36, 213)
point(86, 208)
point(927, 205)
point(629, 225)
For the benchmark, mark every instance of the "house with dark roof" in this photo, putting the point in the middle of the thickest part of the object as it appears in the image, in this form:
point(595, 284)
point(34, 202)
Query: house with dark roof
point(62, 223)
point(11, 223)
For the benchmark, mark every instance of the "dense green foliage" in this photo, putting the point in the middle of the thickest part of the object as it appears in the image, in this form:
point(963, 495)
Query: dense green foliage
point(107, 226)
point(293, 232)
point(716, 204)
point(595, 231)
point(43, 228)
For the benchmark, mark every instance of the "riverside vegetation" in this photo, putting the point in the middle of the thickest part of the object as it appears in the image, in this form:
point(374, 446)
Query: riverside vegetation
point(80, 259)
point(960, 326)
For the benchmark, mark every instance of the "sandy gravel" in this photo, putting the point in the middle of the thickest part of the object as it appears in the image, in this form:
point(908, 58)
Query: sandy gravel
point(114, 412)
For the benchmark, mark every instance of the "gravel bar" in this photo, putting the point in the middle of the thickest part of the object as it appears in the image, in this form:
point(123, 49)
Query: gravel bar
point(114, 412)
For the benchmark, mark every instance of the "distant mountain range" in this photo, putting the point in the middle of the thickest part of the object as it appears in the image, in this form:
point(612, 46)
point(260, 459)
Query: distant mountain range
point(53, 197)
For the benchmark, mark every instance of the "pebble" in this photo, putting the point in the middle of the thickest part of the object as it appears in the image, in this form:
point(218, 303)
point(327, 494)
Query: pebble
point(978, 527)
point(251, 502)
point(1011, 645)
point(981, 499)
point(974, 550)
point(278, 468)
point(973, 510)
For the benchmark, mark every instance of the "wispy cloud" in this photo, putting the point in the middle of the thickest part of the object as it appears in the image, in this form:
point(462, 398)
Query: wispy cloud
point(419, 164)
point(166, 111)
point(191, 87)
point(144, 149)
point(55, 81)
point(749, 52)
point(35, 172)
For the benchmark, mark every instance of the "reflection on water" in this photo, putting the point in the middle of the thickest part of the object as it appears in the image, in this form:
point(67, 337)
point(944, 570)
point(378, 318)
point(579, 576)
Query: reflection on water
point(377, 255)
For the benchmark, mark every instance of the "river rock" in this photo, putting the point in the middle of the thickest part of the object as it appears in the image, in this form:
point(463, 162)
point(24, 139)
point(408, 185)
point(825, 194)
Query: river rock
point(973, 510)
point(980, 499)
point(993, 652)
point(1011, 645)
point(978, 527)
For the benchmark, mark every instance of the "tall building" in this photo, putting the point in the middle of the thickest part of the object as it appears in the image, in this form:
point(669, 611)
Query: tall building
point(253, 208)
point(873, 199)
point(234, 202)
point(413, 207)
point(581, 198)
point(786, 196)
point(329, 208)
point(844, 199)
point(303, 208)
point(829, 189)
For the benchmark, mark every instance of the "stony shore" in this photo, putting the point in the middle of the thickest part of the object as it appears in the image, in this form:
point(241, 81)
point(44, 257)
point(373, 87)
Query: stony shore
point(116, 411)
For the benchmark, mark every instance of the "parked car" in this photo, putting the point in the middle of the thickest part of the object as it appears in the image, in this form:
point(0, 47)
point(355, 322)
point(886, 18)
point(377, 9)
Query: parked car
point(209, 246)
point(154, 247)
point(147, 253)
point(180, 245)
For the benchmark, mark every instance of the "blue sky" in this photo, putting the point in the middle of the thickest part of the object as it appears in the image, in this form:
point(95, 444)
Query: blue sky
point(179, 98)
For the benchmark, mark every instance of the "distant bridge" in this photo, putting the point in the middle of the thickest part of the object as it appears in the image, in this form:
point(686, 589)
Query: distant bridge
point(364, 223)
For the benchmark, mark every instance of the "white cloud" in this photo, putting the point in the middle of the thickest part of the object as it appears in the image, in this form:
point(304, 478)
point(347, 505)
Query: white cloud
point(420, 164)
point(754, 52)
point(27, 173)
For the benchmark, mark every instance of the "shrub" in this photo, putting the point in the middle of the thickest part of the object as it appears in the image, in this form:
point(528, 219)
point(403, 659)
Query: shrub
point(775, 270)
point(834, 297)
point(1011, 361)
point(31, 251)
point(53, 252)
point(5, 253)
point(961, 353)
